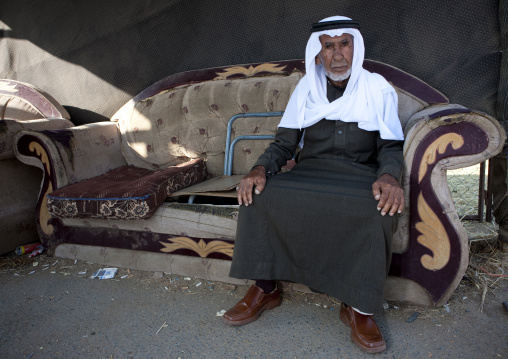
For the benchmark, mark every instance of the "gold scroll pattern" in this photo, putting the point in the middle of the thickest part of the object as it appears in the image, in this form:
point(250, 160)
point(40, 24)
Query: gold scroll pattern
point(201, 248)
point(433, 236)
point(250, 71)
point(44, 215)
point(439, 145)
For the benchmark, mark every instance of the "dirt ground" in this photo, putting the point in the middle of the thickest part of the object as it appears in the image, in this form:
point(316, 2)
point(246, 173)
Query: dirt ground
point(51, 308)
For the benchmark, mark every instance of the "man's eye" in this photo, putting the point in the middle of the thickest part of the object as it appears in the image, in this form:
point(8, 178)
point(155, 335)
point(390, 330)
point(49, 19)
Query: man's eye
point(327, 46)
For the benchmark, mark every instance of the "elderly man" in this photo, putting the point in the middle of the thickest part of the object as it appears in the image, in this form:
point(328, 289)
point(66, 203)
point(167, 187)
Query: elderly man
point(328, 223)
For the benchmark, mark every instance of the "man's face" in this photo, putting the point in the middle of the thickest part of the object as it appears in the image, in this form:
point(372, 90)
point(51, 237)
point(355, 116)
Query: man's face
point(336, 55)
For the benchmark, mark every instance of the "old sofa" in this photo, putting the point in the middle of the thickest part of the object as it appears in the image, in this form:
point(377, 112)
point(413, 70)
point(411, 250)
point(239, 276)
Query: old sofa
point(22, 106)
point(185, 117)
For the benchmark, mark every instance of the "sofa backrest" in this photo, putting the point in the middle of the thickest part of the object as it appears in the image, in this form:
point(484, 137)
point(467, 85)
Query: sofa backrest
point(185, 116)
point(22, 102)
point(25, 107)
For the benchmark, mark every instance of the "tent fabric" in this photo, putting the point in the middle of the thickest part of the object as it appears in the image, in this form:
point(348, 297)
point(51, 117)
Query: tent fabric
point(499, 165)
point(94, 56)
point(502, 98)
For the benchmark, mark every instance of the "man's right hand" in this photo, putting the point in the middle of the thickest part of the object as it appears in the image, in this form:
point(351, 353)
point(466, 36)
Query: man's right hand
point(256, 178)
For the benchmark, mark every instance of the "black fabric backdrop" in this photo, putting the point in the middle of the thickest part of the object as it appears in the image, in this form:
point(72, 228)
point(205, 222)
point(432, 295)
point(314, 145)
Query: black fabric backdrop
point(93, 56)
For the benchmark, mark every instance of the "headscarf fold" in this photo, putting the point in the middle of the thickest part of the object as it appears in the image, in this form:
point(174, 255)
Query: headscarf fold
point(368, 98)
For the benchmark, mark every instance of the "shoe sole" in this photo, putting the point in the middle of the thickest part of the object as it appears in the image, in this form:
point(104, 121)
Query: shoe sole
point(269, 305)
point(344, 319)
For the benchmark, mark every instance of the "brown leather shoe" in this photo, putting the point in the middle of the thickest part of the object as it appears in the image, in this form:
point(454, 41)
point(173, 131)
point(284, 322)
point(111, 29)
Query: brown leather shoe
point(251, 306)
point(364, 330)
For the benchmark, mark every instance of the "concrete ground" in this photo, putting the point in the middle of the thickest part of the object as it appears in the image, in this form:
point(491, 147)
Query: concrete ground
point(51, 308)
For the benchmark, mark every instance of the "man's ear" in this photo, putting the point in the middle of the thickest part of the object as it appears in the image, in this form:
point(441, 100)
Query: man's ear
point(318, 60)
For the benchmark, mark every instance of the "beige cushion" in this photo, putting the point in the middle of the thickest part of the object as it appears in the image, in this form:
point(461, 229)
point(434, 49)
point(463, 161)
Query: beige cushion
point(190, 122)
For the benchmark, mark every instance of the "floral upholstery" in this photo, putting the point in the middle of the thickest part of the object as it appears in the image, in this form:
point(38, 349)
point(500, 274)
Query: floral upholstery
point(190, 121)
point(126, 192)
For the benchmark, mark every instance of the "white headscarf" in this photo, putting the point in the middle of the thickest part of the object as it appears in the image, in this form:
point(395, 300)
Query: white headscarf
point(368, 98)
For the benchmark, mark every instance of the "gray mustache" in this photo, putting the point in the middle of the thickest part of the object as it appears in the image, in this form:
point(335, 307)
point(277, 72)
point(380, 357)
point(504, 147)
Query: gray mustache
point(340, 63)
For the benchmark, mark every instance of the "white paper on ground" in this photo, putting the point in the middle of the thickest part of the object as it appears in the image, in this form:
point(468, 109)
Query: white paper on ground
point(106, 273)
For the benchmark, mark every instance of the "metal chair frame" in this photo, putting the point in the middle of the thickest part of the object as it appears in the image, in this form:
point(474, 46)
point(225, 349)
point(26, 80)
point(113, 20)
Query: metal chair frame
point(230, 146)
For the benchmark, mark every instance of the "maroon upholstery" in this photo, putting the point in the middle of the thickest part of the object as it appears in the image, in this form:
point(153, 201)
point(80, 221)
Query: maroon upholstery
point(126, 192)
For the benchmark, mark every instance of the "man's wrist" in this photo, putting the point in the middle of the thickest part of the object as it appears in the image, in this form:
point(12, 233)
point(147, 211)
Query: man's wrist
point(259, 167)
point(390, 174)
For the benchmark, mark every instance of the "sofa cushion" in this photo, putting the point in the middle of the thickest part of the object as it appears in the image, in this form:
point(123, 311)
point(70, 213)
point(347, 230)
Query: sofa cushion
point(191, 121)
point(126, 192)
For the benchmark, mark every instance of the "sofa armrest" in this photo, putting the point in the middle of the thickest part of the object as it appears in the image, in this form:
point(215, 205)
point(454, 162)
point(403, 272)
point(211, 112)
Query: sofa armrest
point(8, 128)
point(67, 156)
point(74, 153)
point(431, 245)
point(425, 122)
point(434, 143)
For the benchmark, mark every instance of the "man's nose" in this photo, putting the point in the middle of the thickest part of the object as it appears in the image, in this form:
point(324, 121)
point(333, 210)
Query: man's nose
point(337, 54)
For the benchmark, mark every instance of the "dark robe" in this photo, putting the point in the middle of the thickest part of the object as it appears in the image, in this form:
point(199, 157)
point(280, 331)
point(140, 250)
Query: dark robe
point(318, 224)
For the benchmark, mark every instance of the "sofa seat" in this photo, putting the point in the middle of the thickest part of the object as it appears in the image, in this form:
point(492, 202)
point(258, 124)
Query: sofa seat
point(126, 192)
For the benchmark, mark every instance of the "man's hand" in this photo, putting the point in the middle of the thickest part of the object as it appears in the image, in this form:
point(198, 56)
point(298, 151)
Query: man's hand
point(255, 178)
point(389, 193)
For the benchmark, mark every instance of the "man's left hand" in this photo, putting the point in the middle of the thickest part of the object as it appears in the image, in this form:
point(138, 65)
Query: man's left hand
point(389, 193)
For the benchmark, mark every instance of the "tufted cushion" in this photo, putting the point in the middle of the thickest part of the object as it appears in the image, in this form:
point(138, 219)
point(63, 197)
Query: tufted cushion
point(126, 192)
point(190, 121)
